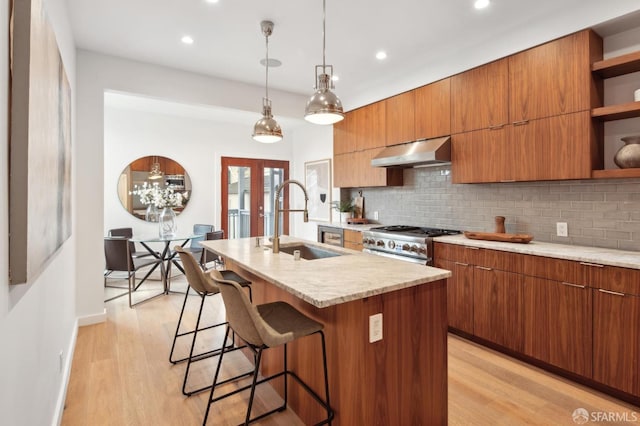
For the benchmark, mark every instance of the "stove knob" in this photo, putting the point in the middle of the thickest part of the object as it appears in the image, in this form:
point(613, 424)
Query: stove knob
point(414, 248)
point(391, 245)
point(365, 241)
point(380, 243)
point(422, 250)
point(405, 247)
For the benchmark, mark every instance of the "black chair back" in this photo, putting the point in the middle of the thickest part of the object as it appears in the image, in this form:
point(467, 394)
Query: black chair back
point(117, 254)
point(124, 232)
point(207, 256)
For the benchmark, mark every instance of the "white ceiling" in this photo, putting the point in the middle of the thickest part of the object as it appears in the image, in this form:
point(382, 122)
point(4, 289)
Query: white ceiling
point(425, 39)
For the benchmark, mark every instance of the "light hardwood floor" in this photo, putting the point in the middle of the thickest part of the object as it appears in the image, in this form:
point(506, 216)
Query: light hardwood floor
point(121, 375)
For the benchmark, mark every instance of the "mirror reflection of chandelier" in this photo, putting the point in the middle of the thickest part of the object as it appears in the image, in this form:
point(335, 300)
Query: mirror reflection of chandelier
point(155, 172)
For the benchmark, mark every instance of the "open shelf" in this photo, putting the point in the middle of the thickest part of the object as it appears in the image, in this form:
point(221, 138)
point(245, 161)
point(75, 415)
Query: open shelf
point(617, 112)
point(620, 65)
point(615, 173)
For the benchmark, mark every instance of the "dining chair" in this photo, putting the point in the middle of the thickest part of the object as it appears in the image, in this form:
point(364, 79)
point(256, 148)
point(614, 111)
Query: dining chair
point(206, 256)
point(261, 327)
point(202, 284)
point(128, 233)
point(194, 245)
point(118, 259)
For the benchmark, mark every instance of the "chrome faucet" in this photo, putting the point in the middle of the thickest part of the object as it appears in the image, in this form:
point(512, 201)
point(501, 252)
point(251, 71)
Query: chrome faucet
point(277, 210)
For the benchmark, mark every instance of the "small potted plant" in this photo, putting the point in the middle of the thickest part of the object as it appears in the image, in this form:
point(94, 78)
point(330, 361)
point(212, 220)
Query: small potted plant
point(345, 207)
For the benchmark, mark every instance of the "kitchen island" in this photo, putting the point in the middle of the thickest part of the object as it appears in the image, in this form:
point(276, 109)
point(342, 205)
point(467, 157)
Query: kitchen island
point(401, 379)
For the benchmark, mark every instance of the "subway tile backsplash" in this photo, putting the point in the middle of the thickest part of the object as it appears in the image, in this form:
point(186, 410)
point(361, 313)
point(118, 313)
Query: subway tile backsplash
point(599, 213)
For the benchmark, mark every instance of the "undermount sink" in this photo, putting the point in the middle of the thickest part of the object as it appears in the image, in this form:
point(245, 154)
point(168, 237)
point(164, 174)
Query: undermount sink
point(309, 252)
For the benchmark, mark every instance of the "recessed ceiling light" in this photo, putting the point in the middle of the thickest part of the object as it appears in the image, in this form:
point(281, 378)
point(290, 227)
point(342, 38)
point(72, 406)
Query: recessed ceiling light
point(481, 4)
point(381, 55)
point(212, 1)
point(187, 39)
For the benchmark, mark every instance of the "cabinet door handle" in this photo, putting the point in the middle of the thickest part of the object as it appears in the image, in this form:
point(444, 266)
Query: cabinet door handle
point(507, 180)
point(472, 248)
point(497, 127)
point(520, 123)
point(484, 268)
point(615, 293)
point(592, 264)
point(461, 264)
point(573, 285)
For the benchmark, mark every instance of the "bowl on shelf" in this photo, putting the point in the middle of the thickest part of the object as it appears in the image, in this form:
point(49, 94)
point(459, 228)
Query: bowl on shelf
point(629, 155)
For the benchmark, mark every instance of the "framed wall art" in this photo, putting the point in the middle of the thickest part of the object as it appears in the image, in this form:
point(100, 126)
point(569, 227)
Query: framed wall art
point(40, 144)
point(317, 180)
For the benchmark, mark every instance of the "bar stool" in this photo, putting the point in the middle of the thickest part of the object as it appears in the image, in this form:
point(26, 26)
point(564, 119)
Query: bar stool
point(204, 286)
point(262, 327)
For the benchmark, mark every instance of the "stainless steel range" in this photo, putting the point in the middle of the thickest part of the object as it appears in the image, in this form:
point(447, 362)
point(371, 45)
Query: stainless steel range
point(409, 243)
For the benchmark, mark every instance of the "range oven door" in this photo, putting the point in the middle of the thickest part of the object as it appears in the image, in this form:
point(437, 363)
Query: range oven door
point(397, 256)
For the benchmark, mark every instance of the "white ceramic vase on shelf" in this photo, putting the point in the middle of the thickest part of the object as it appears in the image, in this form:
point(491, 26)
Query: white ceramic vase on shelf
point(345, 216)
point(629, 155)
point(167, 225)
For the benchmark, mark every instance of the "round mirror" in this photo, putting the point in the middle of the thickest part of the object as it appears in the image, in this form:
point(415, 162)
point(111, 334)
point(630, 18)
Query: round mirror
point(149, 184)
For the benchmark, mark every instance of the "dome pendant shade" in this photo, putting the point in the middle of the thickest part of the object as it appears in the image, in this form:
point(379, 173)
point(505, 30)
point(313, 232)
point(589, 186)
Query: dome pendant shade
point(267, 130)
point(324, 107)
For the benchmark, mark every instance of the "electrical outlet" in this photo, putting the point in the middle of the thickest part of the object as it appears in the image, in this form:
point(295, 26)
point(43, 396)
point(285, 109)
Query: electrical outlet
point(562, 230)
point(375, 215)
point(375, 328)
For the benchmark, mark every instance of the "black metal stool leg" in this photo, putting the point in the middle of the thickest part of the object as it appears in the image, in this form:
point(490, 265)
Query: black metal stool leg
point(193, 344)
point(175, 337)
point(215, 379)
point(253, 386)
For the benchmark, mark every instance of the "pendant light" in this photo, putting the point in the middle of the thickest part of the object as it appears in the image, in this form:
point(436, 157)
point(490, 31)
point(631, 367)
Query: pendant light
point(267, 129)
point(155, 172)
point(324, 107)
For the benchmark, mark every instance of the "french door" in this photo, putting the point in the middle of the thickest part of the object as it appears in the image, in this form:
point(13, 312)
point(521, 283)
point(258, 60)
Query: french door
point(248, 192)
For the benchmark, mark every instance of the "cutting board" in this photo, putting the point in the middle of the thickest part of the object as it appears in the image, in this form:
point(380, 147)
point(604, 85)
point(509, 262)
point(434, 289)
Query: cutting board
point(495, 236)
point(359, 203)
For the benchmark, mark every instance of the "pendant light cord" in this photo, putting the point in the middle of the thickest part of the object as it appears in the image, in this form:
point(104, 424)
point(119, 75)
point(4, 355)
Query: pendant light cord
point(324, 41)
point(266, 65)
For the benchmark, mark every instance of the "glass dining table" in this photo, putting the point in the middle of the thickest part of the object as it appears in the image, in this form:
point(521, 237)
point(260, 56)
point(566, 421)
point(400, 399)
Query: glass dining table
point(166, 255)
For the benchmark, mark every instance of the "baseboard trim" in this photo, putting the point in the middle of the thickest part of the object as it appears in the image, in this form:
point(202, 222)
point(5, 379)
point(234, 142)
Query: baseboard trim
point(68, 362)
point(92, 319)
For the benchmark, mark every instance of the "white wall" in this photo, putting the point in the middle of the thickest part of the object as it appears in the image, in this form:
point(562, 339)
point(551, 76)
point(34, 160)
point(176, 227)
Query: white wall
point(37, 319)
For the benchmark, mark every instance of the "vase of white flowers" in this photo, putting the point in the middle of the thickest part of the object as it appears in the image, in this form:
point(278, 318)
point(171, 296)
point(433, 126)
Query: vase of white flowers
point(161, 200)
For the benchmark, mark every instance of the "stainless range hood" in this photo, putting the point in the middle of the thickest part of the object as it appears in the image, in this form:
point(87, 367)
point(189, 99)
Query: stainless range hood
point(421, 153)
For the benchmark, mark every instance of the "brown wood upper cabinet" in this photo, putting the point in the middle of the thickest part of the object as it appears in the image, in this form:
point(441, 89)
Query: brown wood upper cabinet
point(400, 118)
point(433, 110)
point(480, 97)
point(554, 78)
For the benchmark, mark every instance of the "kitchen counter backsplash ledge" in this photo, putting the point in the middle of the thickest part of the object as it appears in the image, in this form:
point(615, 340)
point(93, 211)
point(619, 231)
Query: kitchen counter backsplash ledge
point(598, 255)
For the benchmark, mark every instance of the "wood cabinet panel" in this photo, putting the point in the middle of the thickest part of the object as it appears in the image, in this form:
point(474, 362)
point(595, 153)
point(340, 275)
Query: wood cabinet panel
point(552, 269)
point(480, 97)
point(343, 170)
point(400, 118)
point(497, 302)
point(554, 148)
point(503, 260)
point(344, 135)
point(483, 156)
point(558, 324)
point(352, 239)
point(354, 170)
point(612, 278)
point(370, 126)
point(553, 78)
point(459, 294)
point(616, 341)
point(433, 110)
point(455, 252)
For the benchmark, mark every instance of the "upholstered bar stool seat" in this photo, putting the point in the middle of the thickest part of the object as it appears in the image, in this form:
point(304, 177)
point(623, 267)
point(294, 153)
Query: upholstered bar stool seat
point(262, 327)
point(204, 286)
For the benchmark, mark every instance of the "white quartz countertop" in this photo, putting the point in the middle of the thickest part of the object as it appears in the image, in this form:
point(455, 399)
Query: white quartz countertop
point(329, 281)
point(602, 256)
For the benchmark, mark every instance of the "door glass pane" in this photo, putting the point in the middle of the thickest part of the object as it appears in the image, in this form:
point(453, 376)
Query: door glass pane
point(239, 201)
point(272, 178)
